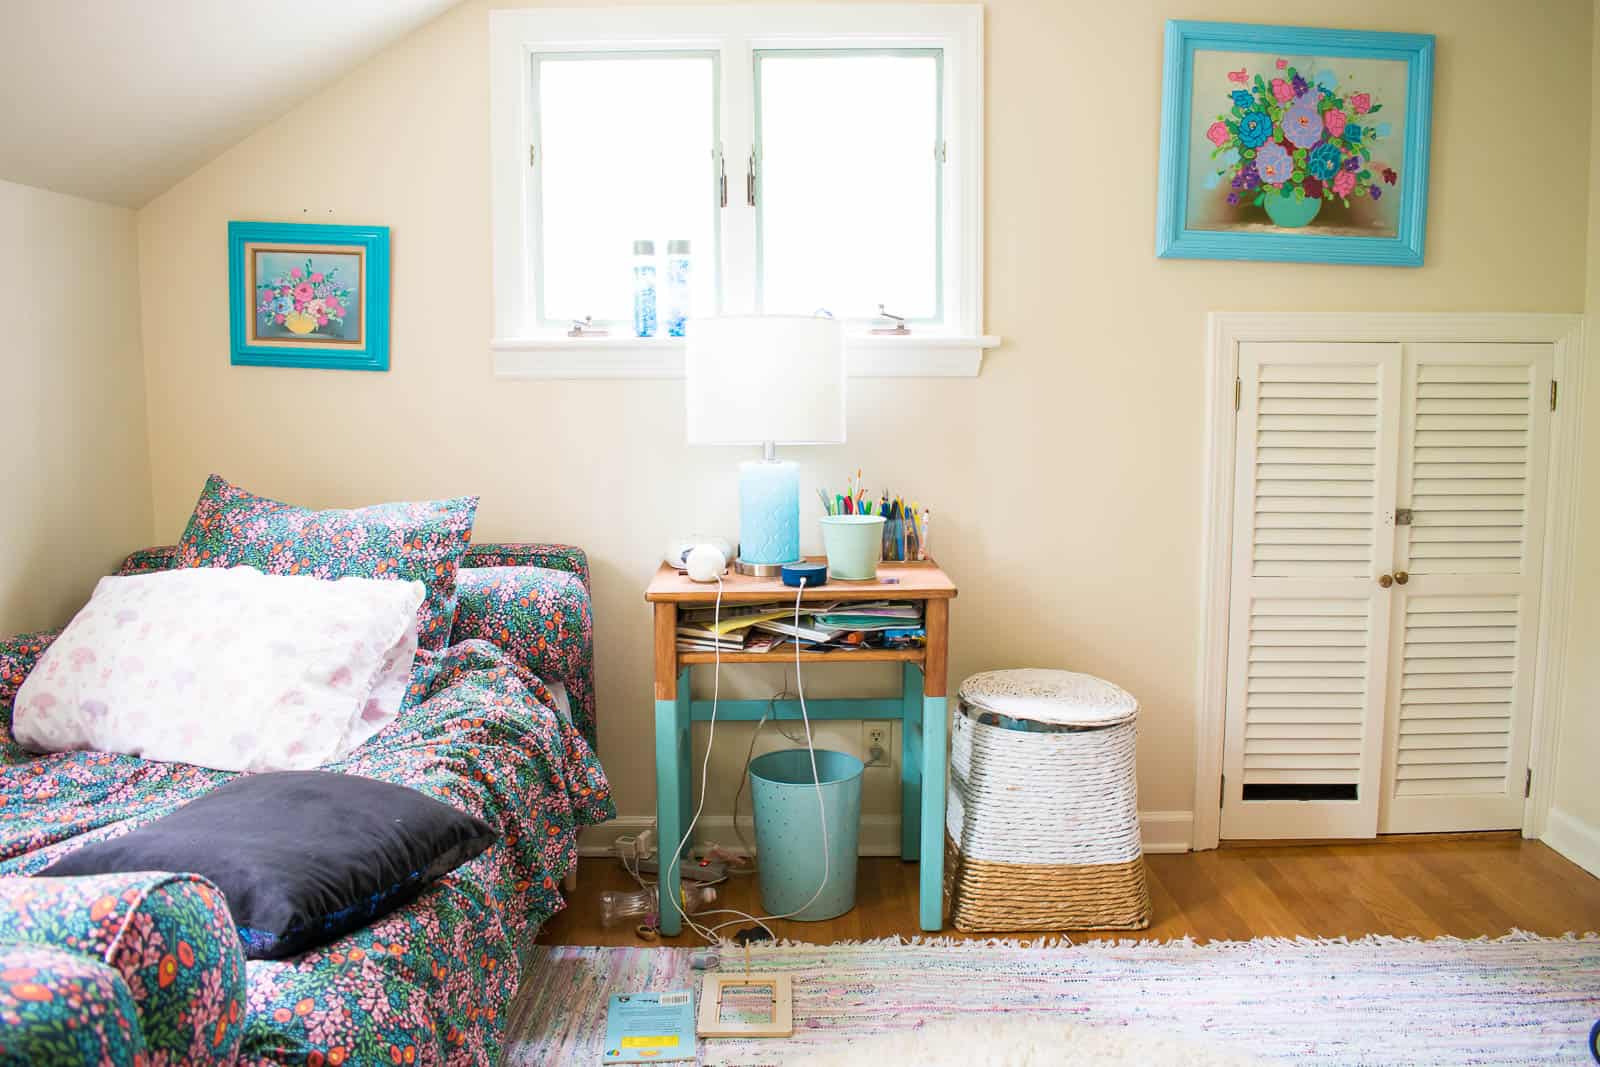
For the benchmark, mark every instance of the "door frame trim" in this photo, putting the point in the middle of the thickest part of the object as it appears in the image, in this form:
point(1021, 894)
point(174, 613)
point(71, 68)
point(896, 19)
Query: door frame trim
point(1225, 331)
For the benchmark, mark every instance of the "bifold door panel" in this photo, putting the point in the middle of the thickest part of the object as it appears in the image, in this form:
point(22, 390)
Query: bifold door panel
point(1474, 441)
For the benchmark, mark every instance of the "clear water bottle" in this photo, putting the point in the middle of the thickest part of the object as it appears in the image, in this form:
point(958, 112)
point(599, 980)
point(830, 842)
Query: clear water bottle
point(675, 288)
point(644, 288)
point(639, 905)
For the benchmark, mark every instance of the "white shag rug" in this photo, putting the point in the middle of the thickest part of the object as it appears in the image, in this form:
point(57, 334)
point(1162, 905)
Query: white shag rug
point(1026, 1043)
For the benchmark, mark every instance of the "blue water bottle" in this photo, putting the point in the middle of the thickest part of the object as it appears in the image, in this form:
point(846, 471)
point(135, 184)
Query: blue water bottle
point(675, 288)
point(644, 288)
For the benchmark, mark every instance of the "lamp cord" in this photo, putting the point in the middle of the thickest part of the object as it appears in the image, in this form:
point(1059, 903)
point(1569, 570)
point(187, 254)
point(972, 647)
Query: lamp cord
point(710, 933)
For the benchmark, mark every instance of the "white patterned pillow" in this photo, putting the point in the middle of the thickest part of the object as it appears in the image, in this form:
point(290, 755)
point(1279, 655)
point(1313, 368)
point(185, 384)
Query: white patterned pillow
point(225, 668)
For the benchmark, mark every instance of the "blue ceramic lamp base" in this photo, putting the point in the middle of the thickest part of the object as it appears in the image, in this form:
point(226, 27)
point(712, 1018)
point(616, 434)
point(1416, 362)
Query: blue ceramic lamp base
point(769, 516)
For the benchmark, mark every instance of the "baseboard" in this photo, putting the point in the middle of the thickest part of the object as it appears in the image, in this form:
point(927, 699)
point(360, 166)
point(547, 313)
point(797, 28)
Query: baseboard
point(1575, 839)
point(1162, 831)
point(1166, 831)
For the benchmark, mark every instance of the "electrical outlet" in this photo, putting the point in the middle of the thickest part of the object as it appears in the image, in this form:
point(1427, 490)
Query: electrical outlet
point(875, 740)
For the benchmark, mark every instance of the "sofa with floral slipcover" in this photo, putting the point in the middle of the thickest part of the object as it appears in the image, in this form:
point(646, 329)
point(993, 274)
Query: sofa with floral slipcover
point(147, 968)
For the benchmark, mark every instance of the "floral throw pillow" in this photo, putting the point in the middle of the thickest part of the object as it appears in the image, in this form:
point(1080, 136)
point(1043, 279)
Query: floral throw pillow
point(421, 542)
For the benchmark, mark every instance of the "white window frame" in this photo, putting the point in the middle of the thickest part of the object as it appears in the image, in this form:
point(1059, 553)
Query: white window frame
point(522, 349)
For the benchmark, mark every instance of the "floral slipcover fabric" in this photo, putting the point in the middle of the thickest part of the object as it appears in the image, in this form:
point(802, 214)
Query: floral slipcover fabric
point(59, 1007)
point(166, 939)
point(422, 542)
point(431, 982)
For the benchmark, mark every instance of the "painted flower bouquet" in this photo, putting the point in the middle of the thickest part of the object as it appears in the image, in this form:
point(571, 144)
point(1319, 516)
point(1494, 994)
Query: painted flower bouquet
point(1287, 144)
point(303, 300)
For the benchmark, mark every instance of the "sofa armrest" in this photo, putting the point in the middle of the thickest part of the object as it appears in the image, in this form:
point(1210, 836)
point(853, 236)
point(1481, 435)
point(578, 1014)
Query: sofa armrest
point(542, 619)
point(550, 556)
point(149, 560)
point(57, 1006)
point(168, 936)
point(17, 657)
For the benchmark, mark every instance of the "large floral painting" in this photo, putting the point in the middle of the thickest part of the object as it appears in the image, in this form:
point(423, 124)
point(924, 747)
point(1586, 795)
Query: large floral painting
point(1297, 143)
point(1294, 144)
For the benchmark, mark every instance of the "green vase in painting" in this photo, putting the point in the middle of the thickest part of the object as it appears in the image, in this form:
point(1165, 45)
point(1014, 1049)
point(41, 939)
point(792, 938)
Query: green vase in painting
point(1291, 212)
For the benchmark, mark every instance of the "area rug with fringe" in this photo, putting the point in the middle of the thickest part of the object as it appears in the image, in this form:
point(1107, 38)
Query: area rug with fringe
point(1377, 1000)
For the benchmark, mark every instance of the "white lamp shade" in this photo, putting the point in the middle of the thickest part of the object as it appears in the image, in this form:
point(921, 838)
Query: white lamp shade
point(757, 378)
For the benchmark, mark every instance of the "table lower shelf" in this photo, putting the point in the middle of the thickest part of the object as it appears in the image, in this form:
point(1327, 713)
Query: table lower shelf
point(864, 655)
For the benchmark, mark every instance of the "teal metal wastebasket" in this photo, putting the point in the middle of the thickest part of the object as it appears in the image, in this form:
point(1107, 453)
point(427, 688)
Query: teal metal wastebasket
point(789, 831)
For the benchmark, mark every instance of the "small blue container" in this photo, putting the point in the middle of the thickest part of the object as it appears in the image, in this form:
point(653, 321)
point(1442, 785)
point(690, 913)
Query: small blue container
point(789, 830)
point(812, 574)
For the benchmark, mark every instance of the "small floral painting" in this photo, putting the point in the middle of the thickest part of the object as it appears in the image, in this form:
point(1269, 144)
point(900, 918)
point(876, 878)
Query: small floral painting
point(1294, 144)
point(311, 295)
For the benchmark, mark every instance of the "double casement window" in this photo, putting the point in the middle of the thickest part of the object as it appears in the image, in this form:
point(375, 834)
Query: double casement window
point(811, 160)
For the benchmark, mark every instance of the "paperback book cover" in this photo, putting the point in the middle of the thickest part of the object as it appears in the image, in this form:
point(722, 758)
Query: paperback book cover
point(650, 1027)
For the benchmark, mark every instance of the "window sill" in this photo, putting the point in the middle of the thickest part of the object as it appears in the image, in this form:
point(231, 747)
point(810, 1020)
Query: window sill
point(869, 356)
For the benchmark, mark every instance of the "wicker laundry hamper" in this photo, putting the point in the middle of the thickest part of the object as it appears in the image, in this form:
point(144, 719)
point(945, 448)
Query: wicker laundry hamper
point(1043, 817)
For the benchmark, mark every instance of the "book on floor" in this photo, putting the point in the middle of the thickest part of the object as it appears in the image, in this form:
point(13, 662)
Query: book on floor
point(650, 1027)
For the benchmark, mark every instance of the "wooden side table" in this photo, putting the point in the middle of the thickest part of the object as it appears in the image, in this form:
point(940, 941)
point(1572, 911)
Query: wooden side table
point(920, 707)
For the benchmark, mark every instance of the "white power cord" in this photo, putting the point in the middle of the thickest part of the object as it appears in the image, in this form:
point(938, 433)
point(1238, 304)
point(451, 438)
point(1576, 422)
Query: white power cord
point(710, 932)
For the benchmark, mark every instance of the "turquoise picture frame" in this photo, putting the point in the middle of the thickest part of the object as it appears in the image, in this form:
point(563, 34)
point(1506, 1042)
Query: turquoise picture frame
point(308, 295)
point(1177, 235)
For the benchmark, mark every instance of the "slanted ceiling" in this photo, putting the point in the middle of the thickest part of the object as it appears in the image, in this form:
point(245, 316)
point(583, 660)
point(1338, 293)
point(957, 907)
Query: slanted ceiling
point(117, 100)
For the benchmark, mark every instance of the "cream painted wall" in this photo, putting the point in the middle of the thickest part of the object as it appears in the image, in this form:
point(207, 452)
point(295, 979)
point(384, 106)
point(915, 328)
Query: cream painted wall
point(1067, 478)
point(75, 459)
point(1575, 820)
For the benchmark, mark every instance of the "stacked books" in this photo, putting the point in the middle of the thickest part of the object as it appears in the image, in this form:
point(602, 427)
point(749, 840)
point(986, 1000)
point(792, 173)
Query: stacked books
point(765, 627)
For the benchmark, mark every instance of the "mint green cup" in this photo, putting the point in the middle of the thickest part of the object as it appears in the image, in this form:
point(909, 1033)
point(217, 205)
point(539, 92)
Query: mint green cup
point(854, 545)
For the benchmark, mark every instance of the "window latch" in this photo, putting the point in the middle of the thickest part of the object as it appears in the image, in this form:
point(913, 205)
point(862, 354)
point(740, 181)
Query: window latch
point(897, 324)
point(722, 179)
point(585, 327)
point(750, 180)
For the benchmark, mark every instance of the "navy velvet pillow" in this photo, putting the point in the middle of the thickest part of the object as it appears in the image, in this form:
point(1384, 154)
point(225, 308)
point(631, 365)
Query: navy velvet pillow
point(303, 857)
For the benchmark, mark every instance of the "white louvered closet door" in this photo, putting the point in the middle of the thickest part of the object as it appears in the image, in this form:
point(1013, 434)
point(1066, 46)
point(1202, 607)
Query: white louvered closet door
point(1474, 439)
point(1314, 490)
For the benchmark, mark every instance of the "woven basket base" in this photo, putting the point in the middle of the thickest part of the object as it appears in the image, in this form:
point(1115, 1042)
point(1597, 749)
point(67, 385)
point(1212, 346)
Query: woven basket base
point(981, 895)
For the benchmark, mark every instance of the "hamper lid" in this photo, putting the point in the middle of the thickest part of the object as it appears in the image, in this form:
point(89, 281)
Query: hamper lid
point(1063, 698)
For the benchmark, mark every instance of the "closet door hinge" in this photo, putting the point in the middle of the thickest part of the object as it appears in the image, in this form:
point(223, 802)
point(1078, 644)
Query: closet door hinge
point(1527, 785)
point(1238, 389)
point(532, 154)
point(1554, 389)
point(1222, 791)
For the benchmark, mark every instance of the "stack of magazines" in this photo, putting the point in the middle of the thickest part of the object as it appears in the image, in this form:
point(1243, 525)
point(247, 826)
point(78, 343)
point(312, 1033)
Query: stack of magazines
point(765, 627)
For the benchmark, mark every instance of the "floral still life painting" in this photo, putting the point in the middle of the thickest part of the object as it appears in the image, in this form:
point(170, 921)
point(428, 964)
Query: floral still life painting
point(1287, 144)
point(306, 295)
point(1290, 144)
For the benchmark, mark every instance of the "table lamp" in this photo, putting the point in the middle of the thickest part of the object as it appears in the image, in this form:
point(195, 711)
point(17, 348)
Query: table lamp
point(766, 380)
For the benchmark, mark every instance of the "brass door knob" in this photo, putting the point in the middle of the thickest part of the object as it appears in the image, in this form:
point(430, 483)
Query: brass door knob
point(1401, 577)
point(1386, 580)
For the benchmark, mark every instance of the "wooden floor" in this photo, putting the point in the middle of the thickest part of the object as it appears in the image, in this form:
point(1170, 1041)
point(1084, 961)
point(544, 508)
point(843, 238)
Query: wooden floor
point(1423, 886)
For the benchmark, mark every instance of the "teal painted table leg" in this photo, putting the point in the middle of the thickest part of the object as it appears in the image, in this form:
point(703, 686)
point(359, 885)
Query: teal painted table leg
point(685, 751)
point(672, 796)
point(934, 728)
point(911, 762)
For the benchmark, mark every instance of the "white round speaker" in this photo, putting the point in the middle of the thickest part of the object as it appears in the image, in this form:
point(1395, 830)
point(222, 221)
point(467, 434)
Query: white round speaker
point(705, 563)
